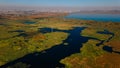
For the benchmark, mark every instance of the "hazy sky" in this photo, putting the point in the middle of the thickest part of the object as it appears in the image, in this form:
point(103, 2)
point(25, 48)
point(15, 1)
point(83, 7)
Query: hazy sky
point(63, 3)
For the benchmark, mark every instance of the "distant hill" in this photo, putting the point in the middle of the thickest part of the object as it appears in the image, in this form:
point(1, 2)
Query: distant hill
point(100, 11)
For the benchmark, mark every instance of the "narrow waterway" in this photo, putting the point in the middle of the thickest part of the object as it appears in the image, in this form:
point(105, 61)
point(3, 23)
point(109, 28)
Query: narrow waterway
point(107, 47)
point(108, 33)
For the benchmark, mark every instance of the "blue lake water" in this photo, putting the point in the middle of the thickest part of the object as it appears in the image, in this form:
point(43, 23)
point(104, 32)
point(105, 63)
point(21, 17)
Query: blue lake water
point(95, 17)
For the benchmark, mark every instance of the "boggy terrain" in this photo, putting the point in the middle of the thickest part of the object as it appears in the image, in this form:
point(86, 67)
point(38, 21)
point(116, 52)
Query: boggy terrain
point(59, 42)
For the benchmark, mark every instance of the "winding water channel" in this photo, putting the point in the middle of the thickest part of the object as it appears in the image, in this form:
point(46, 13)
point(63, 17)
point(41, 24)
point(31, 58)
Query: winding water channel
point(50, 58)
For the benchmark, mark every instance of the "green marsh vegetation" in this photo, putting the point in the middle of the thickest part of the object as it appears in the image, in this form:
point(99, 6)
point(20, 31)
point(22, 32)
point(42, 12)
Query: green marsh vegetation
point(18, 39)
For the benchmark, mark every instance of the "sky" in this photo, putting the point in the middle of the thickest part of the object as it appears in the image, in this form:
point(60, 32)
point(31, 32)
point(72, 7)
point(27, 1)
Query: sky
point(61, 3)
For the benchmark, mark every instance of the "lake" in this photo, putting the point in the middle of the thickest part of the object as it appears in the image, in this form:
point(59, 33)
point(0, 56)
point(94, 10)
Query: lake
point(95, 17)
